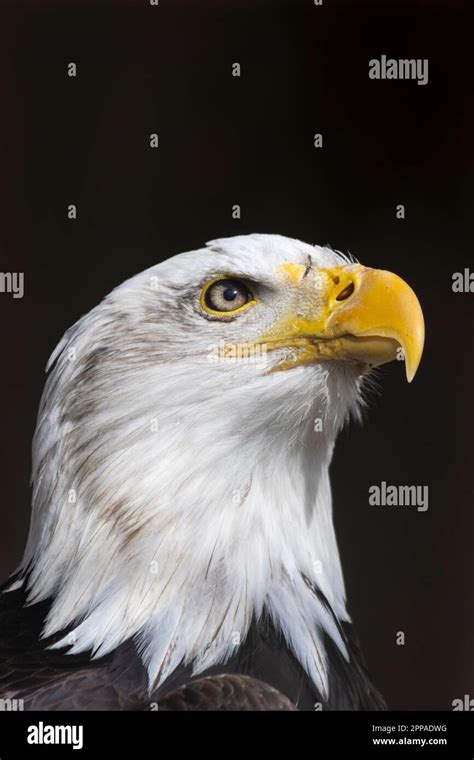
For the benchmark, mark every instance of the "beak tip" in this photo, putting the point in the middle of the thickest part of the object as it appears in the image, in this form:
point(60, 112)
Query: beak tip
point(411, 371)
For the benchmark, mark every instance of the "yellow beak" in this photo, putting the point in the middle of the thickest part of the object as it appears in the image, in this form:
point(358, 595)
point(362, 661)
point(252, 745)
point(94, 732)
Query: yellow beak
point(351, 313)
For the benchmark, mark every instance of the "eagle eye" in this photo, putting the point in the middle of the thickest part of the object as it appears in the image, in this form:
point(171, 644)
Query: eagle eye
point(226, 296)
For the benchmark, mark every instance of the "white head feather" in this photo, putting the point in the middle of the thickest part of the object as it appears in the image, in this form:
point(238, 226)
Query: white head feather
point(176, 497)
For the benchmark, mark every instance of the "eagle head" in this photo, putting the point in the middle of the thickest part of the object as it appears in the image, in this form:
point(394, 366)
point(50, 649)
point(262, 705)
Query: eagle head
point(180, 461)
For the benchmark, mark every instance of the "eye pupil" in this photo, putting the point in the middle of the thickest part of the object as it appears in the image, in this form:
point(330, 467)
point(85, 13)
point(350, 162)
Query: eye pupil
point(230, 294)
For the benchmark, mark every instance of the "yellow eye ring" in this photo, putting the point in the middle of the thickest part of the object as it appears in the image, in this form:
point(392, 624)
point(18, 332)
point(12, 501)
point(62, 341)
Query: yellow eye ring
point(222, 292)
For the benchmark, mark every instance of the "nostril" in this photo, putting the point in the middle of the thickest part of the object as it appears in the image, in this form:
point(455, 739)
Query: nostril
point(346, 293)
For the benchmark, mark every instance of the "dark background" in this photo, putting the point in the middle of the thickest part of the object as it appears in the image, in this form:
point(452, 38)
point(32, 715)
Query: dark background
point(249, 141)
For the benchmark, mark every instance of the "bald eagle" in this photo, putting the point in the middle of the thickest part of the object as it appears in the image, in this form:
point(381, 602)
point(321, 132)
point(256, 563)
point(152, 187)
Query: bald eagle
point(181, 551)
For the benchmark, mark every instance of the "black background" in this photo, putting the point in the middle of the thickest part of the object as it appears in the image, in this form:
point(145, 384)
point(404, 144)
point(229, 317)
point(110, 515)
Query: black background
point(249, 141)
